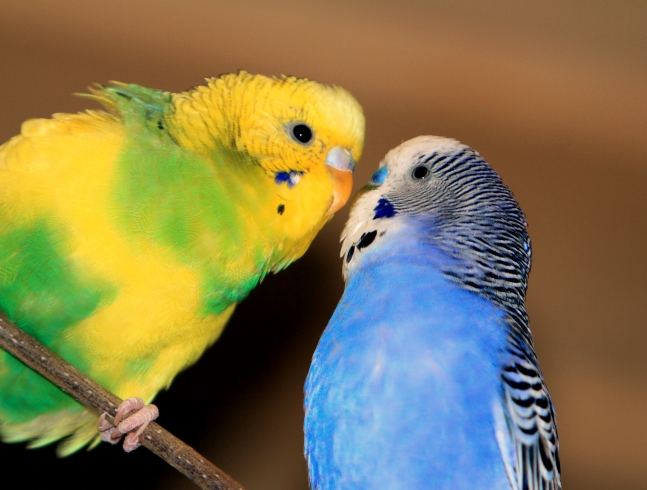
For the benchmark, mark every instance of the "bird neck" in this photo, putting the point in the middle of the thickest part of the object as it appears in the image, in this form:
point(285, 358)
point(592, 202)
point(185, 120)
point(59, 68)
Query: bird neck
point(409, 240)
point(400, 241)
point(408, 301)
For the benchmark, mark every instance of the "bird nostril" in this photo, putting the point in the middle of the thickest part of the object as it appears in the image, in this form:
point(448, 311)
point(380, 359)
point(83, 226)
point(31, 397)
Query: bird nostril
point(379, 176)
point(341, 159)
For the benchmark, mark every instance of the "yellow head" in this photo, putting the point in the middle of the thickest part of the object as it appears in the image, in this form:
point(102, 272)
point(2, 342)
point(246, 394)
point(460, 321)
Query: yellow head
point(283, 124)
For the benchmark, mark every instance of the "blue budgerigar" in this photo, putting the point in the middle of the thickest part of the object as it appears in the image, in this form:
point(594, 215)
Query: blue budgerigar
point(426, 376)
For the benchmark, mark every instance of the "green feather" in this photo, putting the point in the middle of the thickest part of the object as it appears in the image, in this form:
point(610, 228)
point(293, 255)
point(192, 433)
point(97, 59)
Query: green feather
point(42, 293)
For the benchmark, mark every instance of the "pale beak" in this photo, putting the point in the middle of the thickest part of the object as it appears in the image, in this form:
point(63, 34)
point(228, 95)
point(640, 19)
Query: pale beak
point(341, 165)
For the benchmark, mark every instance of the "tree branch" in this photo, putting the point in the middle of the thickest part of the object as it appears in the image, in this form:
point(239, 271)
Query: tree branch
point(76, 384)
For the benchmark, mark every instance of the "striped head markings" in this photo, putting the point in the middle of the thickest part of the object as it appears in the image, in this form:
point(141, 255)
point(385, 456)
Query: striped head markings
point(450, 199)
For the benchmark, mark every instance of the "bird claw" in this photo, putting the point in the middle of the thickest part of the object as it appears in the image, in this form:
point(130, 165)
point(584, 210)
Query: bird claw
point(126, 424)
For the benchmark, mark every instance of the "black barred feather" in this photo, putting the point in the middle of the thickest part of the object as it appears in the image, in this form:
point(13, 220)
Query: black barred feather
point(474, 216)
point(534, 426)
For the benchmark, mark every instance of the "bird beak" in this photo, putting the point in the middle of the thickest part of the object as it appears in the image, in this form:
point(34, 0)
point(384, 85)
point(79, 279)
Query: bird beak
point(341, 165)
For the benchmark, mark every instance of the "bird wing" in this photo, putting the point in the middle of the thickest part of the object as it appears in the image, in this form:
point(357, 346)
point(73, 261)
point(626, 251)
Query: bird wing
point(525, 422)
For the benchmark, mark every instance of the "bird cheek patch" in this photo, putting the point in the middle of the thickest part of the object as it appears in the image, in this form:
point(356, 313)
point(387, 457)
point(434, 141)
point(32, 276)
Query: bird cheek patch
point(384, 209)
point(292, 178)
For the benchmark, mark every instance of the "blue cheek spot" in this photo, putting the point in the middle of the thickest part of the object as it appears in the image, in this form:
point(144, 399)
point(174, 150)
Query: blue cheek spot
point(379, 176)
point(292, 178)
point(281, 177)
point(384, 209)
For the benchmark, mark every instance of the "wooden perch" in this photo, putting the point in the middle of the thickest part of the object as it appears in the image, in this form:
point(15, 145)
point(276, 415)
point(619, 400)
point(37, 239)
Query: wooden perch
point(76, 384)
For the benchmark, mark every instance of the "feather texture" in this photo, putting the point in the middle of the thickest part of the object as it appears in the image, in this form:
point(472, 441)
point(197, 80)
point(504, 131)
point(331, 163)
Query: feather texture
point(127, 237)
point(425, 376)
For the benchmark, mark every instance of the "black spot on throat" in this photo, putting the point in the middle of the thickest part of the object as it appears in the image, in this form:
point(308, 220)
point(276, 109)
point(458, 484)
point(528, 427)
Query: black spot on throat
point(160, 125)
point(366, 239)
point(280, 209)
point(350, 253)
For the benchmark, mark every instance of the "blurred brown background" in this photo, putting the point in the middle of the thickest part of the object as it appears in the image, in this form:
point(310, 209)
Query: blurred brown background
point(553, 94)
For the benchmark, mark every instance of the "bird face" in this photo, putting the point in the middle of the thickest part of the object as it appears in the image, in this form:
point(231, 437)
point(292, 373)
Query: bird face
point(405, 185)
point(292, 128)
point(298, 126)
point(454, 206)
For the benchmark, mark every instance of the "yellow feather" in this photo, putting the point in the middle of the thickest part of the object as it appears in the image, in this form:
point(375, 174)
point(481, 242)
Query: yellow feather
point(64, 167)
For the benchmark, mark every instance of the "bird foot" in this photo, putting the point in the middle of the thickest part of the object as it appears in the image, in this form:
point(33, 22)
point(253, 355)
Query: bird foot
point(126, 424)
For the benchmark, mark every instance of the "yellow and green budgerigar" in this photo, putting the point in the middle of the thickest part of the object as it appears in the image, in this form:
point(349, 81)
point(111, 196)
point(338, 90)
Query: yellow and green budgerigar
point(127, 237)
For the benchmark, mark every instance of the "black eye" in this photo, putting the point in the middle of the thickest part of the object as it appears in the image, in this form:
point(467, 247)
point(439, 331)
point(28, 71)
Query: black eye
point(301, 133)
point(420, 173)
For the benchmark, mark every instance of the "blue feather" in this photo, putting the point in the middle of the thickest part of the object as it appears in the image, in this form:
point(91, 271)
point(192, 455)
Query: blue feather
point(392, 376)
point(384, 209)
point(425, 377)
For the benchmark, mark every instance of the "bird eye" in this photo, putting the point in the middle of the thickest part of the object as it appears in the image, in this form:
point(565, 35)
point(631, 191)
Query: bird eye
point(301, 133)
point(420, 173)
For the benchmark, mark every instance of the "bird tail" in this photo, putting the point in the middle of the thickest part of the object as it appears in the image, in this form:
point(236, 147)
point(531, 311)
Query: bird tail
point(77, 430)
